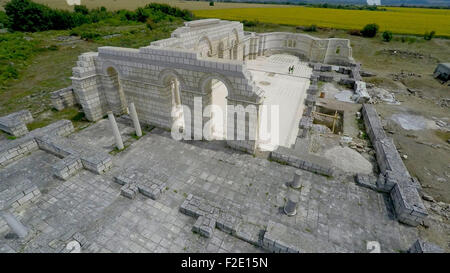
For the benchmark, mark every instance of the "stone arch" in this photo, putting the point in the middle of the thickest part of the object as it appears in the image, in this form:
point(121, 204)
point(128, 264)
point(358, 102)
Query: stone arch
point(204, 47)
point(236, 35)
point(172, 83)
point(106, 65)
point(234, 50)
point(112, 86)
point(215, 89)
point(167, 73)
point(206, 78)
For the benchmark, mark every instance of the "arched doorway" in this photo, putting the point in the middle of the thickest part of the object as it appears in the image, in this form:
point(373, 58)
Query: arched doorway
point(215, 109)
point(234, 45)
point(172, 87)
point(117, 100)
point(204, 47)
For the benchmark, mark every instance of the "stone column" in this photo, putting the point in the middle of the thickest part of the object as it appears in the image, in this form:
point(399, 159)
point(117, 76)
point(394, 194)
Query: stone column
point(296, 183)
point(135, 119)
point(116, 131)
point(290, 208)
point(16, 226)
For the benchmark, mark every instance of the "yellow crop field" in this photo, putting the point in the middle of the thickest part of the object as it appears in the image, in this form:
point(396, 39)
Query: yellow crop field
point(397, 20)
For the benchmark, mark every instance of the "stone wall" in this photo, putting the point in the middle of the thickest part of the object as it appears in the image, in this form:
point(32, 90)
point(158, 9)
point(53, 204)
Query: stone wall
point(209, 37)
point(143, 75)
point(307, 119)
point(331, 51)
point(15, 192)
point(63, 98)
point(394, 177)
point(196, 54)
point(421, 246)
point(51, 139)
point(15, 123)
point(285, 156)
point(279, 238)
point(14, 150)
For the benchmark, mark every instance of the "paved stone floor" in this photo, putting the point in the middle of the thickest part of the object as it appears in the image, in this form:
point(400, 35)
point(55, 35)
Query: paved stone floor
point(287, 91)
point(334, 214)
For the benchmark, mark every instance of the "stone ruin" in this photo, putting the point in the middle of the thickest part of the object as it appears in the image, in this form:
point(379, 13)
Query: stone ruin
point(15, 123)
point(171, 72)
point(153, 81)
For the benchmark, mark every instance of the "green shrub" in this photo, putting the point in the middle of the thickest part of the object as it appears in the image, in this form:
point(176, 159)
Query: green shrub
point(4, 22)
point(89, 35)
point(429, 35)
point(370, 30)
point(211, 3)
point(25, 15)
point(142, 15)
point(252, 23)
point(9, 72)
point(174, 11)
point(150, 24)
point(311, 28)
point(81, 9)
point(387, 36)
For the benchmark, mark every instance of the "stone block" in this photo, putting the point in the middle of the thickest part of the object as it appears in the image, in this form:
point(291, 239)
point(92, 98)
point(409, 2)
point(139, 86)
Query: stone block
point(15, 123)
point(204, 226)
point(366, 181)
point(129, 190)
point(421, 246)
point(408, 204)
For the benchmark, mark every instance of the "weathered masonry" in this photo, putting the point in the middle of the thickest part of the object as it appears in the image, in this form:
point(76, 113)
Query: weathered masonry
point(201, 55)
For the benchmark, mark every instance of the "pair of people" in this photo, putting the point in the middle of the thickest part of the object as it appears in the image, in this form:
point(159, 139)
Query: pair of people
point(291, 69)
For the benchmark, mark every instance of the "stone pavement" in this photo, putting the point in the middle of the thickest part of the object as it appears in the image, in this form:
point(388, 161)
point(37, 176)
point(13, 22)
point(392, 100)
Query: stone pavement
point(284, 90)
point(333, 214)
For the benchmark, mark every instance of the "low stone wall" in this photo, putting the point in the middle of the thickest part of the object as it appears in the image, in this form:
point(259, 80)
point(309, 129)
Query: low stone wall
point(15, 192)
point(51, 139)
point(271, 239)
point(351, 77)
point(148, 185)
point(305, 123)
point(304, 126)
point(224, 219)
point(373, 123)
point(283, 155)
point(394, 177)
point(47, 144)
point(15, 123)
point(74, 154)
point(63, 98)
point(362, 96)
point(280, 238)
point(425, 247)
point(67, 167)
point(408, 204)
point(25, 196)
point(16, 149)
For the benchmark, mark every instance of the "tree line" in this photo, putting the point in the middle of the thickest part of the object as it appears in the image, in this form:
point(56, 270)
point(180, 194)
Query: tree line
point(28, 16)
